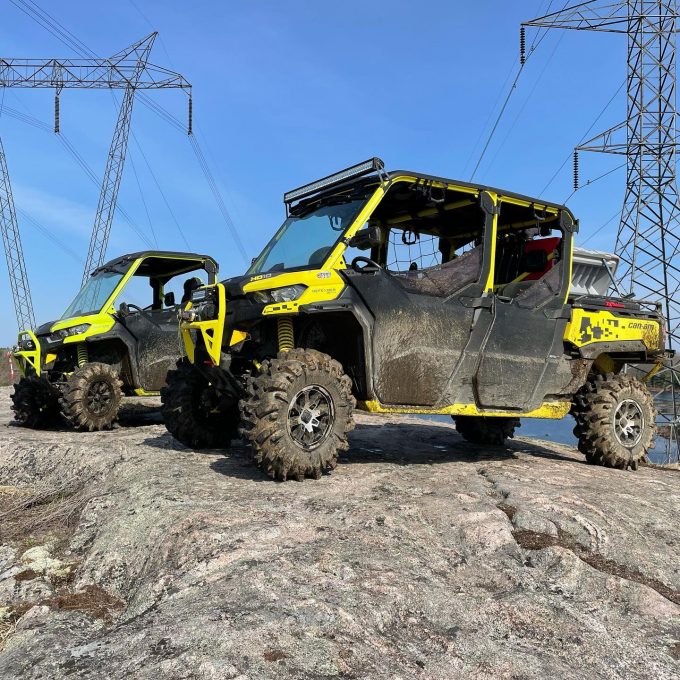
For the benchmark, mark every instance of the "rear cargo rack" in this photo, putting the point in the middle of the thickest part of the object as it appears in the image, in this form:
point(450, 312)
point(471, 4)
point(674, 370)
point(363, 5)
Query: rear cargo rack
point(593, 272)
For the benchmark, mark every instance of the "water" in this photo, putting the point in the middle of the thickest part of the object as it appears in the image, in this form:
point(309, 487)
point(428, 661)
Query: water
point(561, 432)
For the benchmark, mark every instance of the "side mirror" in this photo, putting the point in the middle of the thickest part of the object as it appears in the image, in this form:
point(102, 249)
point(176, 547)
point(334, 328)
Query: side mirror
point(169, 299)
point(123, 309)
point(366, 238)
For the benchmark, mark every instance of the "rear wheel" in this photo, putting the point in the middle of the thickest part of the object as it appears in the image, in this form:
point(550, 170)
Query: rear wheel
point(91, 397)
point(35, 402)
point(486, 431)
point(194, 412)
point(615, 421)
point(297, 414)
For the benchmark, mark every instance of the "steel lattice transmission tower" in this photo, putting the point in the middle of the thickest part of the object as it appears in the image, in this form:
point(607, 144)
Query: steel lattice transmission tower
point(14, 254)
point(648, 239)
point(128, 70)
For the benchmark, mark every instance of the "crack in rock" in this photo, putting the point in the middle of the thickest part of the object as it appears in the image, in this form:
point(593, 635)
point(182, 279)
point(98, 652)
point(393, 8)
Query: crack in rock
point(532, 540)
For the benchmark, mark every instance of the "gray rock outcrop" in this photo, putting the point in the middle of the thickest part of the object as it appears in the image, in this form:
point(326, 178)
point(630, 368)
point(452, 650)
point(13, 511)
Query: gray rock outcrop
point(419, 557)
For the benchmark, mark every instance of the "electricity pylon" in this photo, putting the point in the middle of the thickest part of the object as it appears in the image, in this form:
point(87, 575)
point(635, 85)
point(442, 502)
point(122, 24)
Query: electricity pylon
point(128, 70)
point(648, 239)
point(14, 254)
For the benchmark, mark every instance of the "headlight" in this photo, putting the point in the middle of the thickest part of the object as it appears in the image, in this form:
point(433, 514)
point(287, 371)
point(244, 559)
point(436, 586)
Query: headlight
point(67, 332)
point(285, 294)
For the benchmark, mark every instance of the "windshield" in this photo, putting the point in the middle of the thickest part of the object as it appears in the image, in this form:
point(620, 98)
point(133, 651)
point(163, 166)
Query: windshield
point(93, 294)
point(306, 240)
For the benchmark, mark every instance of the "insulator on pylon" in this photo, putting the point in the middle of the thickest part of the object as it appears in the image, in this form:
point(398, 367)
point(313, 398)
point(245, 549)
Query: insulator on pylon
point(56, 113)
point(522, 45)
point(575, 170)
point(190, 128)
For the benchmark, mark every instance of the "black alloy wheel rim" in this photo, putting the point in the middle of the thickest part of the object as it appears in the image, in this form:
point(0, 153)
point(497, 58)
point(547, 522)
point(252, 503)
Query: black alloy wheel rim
point(99, 397)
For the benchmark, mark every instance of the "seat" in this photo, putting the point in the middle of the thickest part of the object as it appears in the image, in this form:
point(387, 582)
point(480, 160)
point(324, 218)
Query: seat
point(445, 279)
point(546, 245)
point(535, 293)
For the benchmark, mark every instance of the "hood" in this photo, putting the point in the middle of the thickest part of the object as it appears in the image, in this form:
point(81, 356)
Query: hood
point(233, 287)
point(45, 328)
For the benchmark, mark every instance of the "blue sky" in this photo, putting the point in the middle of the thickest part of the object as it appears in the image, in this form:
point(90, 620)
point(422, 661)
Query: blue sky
point(288, 91)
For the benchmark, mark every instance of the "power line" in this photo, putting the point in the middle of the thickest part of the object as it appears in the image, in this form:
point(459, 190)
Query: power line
point(526, 101)
point(50, 24)
point(81, 162)
point(498, 99)
point(65, 36)
point(616, 215)
point(205, 168)
point(534, 46)
point(583, 138)
point(218, 197)
point(141, 195)
point(592, 181)
point(33, 221)
point(47, 233)
point(160, 190)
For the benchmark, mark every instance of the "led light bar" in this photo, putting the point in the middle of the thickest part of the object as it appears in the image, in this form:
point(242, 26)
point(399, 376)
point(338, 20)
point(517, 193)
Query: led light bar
point(365, 168)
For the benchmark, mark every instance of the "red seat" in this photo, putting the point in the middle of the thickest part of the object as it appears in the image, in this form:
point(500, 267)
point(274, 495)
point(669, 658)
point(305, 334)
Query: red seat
point(549, 246)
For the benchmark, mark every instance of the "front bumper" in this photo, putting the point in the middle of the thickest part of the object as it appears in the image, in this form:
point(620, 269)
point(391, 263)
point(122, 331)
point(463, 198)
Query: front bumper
point(28, 354)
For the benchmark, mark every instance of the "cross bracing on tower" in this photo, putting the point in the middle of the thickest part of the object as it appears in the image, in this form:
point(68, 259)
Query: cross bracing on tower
point(648, 237)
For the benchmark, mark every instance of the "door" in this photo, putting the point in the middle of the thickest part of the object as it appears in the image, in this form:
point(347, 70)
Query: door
point(152, 321)
point(158, 344)
point(418, 339)
point(424, 290)
point(523, 361)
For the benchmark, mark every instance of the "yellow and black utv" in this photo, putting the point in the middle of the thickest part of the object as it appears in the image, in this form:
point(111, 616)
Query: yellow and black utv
point(80, 366)
point(398, 292)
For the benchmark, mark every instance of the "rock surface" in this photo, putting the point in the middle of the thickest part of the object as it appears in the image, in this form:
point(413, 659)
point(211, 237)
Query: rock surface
point(419, 557)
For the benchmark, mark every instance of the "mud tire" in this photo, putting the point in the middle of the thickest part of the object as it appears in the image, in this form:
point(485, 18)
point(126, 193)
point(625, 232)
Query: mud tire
point(270, 427)
point(596, 407)
point(486, 431)
point(193, 411)
point(91, 397)
point(35, 403)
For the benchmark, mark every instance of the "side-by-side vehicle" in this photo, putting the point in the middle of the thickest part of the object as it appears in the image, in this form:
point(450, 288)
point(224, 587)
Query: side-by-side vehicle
point(400, 292)
point(118, 336)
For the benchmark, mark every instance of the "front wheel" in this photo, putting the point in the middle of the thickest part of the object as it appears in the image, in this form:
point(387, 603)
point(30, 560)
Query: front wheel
point(297, 414)
point(615, 421)
point(35, 402)
point(91, 397)
point(194, 412)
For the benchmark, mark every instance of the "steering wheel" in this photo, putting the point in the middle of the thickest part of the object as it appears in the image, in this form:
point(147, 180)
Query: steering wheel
point(125, 307)
point(370, 266)
point(133, 306)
